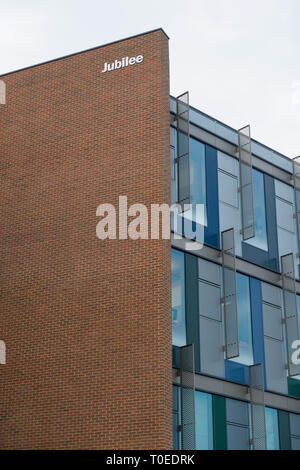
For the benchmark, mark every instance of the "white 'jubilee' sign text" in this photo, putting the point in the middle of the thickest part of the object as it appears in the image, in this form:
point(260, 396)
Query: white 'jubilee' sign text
point(120, 64)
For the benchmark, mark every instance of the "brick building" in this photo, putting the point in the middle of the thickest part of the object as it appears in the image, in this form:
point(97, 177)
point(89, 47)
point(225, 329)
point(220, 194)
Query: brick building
point(87, 323)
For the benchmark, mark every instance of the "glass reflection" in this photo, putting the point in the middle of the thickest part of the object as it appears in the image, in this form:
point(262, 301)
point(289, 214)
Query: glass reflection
point(272, 429)
point(204, 422)
point(178, 299)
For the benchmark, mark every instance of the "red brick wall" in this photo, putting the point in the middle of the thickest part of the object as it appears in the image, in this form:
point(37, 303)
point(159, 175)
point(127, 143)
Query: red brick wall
point(87, 323)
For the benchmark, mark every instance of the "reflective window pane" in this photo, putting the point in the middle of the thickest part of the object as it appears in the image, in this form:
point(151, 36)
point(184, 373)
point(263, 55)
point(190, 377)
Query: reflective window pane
point(272, 429)
point(204, 421)
point(260, 240)
point(178, 299)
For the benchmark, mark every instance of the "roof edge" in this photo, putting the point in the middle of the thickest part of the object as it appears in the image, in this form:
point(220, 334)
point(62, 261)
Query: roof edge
point(85, 50)
point(280, 154)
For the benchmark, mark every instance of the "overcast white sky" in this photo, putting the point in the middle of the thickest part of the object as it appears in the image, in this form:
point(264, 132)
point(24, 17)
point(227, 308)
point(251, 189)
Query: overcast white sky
point(240, 59)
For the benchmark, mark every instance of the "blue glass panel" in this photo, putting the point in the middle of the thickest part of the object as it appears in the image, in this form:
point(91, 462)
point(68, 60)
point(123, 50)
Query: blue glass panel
point(260, 240)
point(257, 325)
point(204, 421)
point(212, 231)
point(272, 429)
point(178, 299)
point(236, 372)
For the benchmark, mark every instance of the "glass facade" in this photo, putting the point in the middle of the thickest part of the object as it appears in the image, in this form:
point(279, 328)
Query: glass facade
point(269, 195)
point(235, 423)
point(204, 421)
point(203, 417)
point(178, 299)
point(260, 240)
point(272, 429)
point(260, 331)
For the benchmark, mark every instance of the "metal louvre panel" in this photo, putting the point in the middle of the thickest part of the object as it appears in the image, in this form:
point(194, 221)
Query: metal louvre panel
point(257, 402)
point(290, 309)
point(230, 295)
point(296, 174)
point(246, 183)
point(183, 123)
point(187, 390)
point(183, 148)
point(183, 166)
